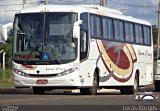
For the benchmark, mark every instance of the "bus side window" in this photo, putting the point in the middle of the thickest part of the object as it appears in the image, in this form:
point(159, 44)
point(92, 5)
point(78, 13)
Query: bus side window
point(129, 32)
point(99, 27)
point(119, 30)
point(147, 35)
point(131, 27)
point(96, 26)
point(116, 29)
point(139, 34)
point(137, 38)
point(107, 28)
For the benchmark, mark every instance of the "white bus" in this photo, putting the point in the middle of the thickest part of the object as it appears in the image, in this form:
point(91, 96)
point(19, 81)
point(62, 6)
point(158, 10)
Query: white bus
point(81, 46)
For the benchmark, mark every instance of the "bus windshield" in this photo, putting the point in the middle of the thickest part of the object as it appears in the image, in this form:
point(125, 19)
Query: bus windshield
point(44, 37)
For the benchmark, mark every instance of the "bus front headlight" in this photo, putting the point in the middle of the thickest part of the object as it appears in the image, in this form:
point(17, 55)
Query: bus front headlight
point(68, 71)
point(19, 72)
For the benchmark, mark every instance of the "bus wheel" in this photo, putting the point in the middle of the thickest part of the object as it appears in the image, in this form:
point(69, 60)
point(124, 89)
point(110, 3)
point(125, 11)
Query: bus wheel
point(131, 89)
point(93, 89)
point(38, 90)
point(157, 86)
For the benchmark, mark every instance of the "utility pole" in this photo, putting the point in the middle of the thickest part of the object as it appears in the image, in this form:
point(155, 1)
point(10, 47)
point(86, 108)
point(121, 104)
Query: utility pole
point(158, 30)
point(23, 2)
point(46, 2)
point(103, 3)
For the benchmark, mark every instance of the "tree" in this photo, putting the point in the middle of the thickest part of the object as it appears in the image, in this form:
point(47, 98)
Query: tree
point(155, 35)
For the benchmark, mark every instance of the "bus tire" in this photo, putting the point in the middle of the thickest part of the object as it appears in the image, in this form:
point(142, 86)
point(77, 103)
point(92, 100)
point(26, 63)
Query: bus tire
point(93, 89)
point(38, 90)
point(157, 86)
point(131, 89)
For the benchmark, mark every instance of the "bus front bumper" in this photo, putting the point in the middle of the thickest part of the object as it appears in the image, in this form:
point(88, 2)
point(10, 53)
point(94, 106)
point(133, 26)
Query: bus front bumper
point(70, 80)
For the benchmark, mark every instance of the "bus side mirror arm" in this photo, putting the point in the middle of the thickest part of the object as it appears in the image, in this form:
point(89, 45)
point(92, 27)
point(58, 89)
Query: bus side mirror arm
point(84, 27)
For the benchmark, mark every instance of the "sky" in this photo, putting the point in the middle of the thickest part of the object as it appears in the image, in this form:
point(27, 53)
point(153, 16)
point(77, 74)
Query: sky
point(143, 9)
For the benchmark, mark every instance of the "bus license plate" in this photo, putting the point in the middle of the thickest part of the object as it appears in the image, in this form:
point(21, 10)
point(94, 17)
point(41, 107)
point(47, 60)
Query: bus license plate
point(42, 81)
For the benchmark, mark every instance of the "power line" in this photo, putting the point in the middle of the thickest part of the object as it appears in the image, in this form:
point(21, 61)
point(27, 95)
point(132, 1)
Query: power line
point(116, 3)
point(112, 2)
point(131, 5)
point(75, 3)
point(15, 4)
point(140, 6)
point(95, 2)
point(8, 10)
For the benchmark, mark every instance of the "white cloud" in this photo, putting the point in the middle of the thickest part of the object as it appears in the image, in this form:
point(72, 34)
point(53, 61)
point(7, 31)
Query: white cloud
point(6, 14)
point(155, 2)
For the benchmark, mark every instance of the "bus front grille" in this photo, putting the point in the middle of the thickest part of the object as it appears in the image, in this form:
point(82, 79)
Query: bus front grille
point(42, 75)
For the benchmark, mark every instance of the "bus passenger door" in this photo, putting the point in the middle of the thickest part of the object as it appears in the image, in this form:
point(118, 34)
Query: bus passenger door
point(84, 63)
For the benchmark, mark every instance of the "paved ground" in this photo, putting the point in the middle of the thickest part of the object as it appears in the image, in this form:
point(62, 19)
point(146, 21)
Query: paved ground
point(66, 97)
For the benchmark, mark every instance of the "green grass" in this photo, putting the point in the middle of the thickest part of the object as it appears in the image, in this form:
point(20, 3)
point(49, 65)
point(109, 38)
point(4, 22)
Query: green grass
point(6, 85)
point(6, 79)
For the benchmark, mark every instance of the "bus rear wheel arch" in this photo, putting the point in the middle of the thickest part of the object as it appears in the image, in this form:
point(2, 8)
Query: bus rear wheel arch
point(131, 89)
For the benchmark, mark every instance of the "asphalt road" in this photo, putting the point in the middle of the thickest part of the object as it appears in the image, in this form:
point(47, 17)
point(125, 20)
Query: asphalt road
point(60, 97)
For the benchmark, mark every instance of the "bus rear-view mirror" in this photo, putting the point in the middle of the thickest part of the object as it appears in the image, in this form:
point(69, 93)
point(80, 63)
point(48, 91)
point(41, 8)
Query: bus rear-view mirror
point(4, 31)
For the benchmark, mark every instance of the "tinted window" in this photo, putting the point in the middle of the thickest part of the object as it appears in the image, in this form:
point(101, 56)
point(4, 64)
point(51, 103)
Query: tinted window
point(99, 27)
point(93, 25)
point(138, 34)
point(129, 32)
point(84, 17)
point(131, 28)
point(119, 30)
point(108, 28)
point(44, 39)
point(147, 35)
point(96, 27)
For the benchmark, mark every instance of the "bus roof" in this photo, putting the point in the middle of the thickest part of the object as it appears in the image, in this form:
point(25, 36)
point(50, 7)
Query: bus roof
point(84, 8)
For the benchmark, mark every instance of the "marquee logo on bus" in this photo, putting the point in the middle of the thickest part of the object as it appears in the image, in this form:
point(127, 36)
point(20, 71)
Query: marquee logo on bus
point(118, 58)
